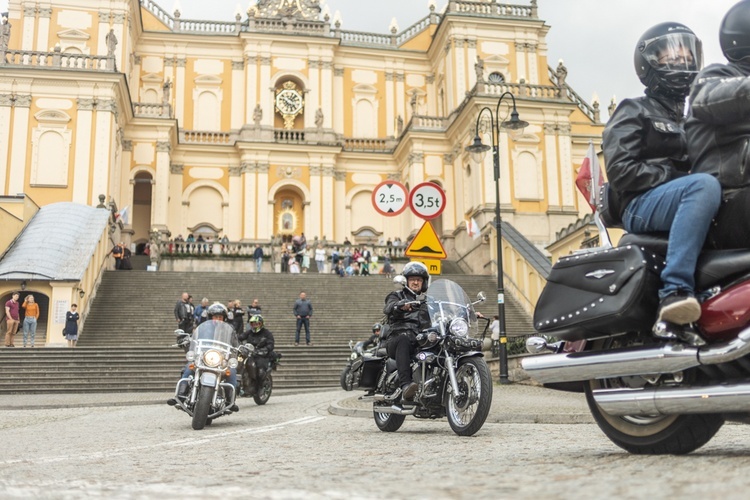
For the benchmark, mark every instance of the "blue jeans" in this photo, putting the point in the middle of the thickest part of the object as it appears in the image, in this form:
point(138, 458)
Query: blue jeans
point(684, 207)
point(29, 326)
point(258, 264)
point(300, 322)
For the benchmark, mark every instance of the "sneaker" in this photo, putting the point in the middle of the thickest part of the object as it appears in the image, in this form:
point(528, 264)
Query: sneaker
point(679, 308)
point(408, 391)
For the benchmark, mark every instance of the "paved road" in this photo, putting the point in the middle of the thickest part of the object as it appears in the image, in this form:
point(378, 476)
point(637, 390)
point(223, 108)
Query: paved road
point(295, 448)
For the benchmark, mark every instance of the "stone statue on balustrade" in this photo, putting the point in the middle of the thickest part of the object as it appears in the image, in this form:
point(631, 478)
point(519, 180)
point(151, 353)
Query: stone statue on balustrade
point(479, 69)
point(111, 41)
point(561, 73)
point(612, 106)
point(257, 115)
point(154, 247)
point(413, 103)
point(319, 118)
point(399, 125)
point(166, 88)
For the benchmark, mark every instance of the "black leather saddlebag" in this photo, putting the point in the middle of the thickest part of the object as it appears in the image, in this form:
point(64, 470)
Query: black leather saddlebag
point(603, 292)
point(371, 370)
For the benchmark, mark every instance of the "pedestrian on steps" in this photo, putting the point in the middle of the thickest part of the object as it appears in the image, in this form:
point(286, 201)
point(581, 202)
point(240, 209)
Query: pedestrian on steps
point(303, 311)
point(30, 316)
point(71, 326)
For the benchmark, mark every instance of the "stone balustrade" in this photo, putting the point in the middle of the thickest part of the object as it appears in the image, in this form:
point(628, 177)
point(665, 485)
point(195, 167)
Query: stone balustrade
point(58, 60)
point(289, 136)
point(206, 137)
point(368, 145)
point(152, 110)
point(491, 9)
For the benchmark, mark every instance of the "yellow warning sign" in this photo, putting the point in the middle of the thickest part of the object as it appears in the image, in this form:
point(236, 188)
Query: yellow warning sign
point(426, 244)
point(433, 266)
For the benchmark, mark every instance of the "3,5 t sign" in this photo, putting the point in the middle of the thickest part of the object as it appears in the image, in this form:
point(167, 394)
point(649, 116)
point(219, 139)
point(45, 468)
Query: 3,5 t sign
point(427, 200)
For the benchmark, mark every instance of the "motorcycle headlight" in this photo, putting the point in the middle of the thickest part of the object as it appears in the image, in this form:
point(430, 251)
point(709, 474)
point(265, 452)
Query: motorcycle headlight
point(233, 363)
point(213, 358)
point(459, 327)
point(190, 356)
point(354, 355)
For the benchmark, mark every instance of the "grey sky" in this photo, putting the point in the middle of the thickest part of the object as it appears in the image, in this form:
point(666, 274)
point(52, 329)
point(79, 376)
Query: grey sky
point(595, 38)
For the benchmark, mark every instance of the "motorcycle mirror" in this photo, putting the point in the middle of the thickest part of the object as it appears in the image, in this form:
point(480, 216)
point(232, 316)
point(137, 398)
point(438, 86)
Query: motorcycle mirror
point(399, 280)
point(179, 332)
point(481, 297)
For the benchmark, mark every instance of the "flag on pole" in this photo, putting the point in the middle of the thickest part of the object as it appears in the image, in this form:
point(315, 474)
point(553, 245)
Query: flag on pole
point(589, 178)
point(472, 228)
point(123, 215)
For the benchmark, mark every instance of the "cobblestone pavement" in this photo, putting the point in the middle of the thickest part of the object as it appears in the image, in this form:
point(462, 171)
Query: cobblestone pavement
point(294, 447)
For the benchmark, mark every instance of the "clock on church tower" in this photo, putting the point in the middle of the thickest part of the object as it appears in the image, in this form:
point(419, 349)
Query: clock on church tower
point(289, 103)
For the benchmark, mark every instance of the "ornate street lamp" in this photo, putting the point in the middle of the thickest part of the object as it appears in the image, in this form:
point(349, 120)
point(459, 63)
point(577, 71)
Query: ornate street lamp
point(478, 151)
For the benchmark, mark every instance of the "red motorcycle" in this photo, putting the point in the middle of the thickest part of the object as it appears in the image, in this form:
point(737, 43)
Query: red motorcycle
point(652, 388)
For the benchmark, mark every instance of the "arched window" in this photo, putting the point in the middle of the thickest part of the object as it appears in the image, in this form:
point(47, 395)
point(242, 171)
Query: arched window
point(207, 112)
point(150, 96)
point(528, 177)
point(52, 152)
point(496, 77)
point(364, 119)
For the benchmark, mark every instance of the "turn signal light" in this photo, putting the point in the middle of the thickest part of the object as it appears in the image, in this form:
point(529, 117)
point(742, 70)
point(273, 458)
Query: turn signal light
point(192, 366)
point(228, 373)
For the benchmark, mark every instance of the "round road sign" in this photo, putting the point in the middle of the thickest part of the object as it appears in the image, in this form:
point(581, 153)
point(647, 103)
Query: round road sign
point(427, 200)
point(389, 198)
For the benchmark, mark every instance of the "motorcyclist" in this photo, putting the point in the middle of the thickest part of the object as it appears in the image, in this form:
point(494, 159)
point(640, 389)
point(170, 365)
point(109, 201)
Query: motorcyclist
point(260, 360)
point(374, 338)
point(718, 131)
point(645, 151)
point(407, 315)
point(216, 312)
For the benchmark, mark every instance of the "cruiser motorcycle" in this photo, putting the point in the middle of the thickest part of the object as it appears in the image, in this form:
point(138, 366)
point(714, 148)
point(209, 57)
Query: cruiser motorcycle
point(652, 388)
point(352, 372)
point(260, 386)
point(449, 367)
point(205, 395)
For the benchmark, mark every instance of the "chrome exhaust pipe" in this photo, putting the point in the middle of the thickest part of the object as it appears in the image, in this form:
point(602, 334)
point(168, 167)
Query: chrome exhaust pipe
point(674, 400)
point(394, 409)
point(668, 358)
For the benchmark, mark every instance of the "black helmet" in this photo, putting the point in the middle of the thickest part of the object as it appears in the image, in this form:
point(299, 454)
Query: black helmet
point(734, 34)
point(217, 309)
point(377, 327)
point(417, 269)
point(257, 318)
point(667, 59)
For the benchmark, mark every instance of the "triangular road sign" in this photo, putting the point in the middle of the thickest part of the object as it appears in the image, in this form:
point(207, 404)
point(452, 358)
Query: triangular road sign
point(426, 244)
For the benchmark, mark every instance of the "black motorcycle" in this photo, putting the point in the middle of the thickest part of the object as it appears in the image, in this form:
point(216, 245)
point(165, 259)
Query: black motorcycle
point(255, 373)
point(352, 372)
point(453, 377)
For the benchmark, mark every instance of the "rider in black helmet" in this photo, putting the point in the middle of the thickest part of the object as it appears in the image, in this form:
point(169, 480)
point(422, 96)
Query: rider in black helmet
point(407, 315)
point(718, 129)
point(375, 337)
point(646, 159)
point(260, 360)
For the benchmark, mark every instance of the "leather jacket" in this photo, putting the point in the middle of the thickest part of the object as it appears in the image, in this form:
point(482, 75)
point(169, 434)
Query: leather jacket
point(262, 341)
point(644, 146)
point(401, 321)
point(718, 128)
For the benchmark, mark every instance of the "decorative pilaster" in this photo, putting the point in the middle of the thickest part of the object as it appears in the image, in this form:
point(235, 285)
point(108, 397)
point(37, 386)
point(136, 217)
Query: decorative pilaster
point(82, 170)
point(161, 185)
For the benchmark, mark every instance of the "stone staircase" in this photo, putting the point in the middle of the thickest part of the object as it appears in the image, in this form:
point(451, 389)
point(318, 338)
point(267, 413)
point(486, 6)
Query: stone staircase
point(124, 345)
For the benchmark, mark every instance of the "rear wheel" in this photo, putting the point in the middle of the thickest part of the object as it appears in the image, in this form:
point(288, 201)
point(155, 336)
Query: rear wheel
point(468, 411)
point(346, 379)
point(388, 422)
point(202, 407)
point(264, 391)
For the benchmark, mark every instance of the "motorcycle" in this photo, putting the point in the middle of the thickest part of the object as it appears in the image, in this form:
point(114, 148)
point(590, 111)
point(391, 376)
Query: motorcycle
point(260, 386)
point(352, 372)
point(204, 395)
point(652, 388)
point(453, 378)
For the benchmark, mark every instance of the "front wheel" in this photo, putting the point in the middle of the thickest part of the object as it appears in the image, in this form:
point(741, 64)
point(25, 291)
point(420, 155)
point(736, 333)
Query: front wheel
point(346, 378)
point(388, 422)
point(468, 410)
point(264, 391)
point(202, 407)
point(657, 435)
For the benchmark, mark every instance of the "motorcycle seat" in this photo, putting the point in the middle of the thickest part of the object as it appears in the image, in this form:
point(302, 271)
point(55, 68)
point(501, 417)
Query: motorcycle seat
point(381, 352)
point(714, 266)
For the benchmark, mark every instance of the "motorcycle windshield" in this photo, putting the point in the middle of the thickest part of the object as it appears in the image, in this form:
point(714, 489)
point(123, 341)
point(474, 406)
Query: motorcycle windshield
point(214, 330)
point(446, 300)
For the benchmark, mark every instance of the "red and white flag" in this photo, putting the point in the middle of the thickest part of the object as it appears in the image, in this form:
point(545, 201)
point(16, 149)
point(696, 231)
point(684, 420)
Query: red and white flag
point(472, 228)
point(589, 178)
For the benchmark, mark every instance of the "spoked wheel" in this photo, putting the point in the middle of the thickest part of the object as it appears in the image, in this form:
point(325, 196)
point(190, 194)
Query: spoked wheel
point(346, 378)
point(202, 407)
point(468, 410)
point(388, 422)
point(264, 391)
point(652, 435)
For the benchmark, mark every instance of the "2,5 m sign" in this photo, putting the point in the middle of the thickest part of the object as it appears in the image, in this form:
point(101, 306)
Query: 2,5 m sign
point(427, 200)
point(389, 198)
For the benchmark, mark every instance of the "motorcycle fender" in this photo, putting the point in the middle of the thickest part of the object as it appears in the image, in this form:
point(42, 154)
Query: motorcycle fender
point(356, 364)
point(470, 354)
point(209, 379)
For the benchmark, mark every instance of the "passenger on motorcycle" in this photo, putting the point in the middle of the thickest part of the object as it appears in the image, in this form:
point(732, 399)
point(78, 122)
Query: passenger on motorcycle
point(262, 339)
point(407, 315)
point(374, 338)
point(646, 160)
point(717, 129)
point(216, 312)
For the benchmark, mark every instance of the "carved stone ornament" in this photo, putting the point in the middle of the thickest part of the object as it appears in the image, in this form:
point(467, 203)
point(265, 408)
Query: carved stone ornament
point(163, 147)
point(235, 171)
point(176, 168)
point(308, 10)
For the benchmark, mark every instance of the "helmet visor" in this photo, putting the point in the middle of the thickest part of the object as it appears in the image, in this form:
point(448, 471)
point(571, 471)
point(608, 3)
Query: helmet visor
point(674, 52)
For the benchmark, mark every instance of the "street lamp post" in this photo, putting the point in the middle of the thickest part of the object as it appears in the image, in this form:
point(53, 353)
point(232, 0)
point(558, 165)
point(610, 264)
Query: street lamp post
point(478, 151)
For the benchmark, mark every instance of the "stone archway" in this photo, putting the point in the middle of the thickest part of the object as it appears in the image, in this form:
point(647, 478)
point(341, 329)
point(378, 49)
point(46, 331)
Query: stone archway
point(288, 213)
point(42, 323)
point(142, 203)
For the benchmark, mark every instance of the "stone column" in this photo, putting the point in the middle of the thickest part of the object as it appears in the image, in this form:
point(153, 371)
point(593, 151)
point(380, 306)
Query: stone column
point(265, 224)
point(432, 109)
point(105, 121)
point(249, 217)
point(390, 109)
point(312, 100)
point(339, 216)
point(567, 177)
point(329, 205)
point(450, 79)
point(82, 158)
point(42, 36)
point(313, 216)
point(506, 178)
point(521, 62)
point(266, 102)
point(101, 44)
point(338, 105)
point(125, 196)
point(326, 102)
point(233, 229)
point(135, 83)
point(237, 117)
point(179, 93)
point(471, 58)
point(460, 69)
point(251, 85)
point(176, 221)
point(29, 20)
point(118, 20)
point(6, 103)
point(19, 147)
point(161, 186)
point(401, 98)
point(533, 67)
point(553, 181)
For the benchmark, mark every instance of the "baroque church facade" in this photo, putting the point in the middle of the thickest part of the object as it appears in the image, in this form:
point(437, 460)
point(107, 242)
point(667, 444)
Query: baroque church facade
point(281, 121)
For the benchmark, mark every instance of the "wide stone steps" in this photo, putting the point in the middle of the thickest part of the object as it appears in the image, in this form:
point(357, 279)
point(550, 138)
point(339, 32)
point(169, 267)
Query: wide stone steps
point(124, 343)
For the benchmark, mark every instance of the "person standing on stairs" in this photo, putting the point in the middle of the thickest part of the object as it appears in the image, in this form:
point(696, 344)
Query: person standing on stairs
point(30, 316)
point(12, 315)
point(183, 313)
point(303, 311)
point(71, 326)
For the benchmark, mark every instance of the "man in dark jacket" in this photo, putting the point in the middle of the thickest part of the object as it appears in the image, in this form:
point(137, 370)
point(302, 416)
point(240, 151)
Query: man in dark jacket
point(258, 256)
point(303, 310)
point(183, 313)
point(407, 315)
point(260, 359)
point(646, 159)
point(718, 129)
